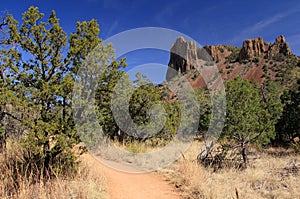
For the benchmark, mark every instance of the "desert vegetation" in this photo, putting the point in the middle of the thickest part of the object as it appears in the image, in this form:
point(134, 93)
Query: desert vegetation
point(271, 173)
point(42, 154)
point(40, 149)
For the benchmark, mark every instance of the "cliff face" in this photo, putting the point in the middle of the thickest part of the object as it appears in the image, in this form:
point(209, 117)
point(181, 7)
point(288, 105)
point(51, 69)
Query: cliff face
point(183, 56)
point(280, 46)
point(250, 61)
point(183, 53)
point(253, 48)
point(217, 53)
point(257, 47)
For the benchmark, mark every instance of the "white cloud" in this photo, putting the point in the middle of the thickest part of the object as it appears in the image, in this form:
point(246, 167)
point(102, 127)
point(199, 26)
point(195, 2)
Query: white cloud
point(261, 25)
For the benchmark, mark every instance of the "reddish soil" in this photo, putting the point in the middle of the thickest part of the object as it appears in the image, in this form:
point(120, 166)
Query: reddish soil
point(125, 185)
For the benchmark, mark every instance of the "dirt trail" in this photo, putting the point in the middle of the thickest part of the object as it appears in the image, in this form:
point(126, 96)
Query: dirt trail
point(122, 185)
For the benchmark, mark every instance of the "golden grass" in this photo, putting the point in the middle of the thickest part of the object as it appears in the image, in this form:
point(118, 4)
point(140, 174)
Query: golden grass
point(140, 147)
point(135, 147)
point(88, 183)
point(270, 174)
point(267, 176)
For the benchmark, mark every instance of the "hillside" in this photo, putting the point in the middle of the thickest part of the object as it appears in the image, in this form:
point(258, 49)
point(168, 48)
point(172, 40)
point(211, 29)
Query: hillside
point(256, 59)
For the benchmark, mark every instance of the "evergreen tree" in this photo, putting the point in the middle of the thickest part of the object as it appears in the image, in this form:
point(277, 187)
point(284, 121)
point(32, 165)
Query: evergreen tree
point(288, 126)
point(41, 67)
point(107, 81)
point(205, 109)
point(247, 118)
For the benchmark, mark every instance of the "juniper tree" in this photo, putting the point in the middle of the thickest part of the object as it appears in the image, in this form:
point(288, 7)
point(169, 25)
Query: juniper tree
point(288, 126)
point(248, 119)
point(42, 67)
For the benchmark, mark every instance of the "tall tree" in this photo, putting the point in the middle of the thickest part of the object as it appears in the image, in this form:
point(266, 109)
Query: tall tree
point(288, 126)
point(9, 102)
point(247, 118)
point(43, 76)
point(42, 68)
point(107, 81)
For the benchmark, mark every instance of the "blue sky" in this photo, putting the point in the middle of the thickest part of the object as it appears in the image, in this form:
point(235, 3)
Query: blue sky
point(208, 22)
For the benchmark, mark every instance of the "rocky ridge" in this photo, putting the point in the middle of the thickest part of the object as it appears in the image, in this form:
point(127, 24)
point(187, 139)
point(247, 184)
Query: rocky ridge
point(257, 47)
point(256, 59)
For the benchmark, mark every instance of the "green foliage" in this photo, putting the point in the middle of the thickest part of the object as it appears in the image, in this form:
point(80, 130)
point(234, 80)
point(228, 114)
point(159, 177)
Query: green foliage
point(106, 84)
point(209, 63)
point(256, 59)
point(288, 125)
point(204, 108)
point(271, 109)
point(46, 85)
point(265, 68)
point(279, 57)
point(287, 72)
point(250, 116)
point(38, 85)
point(145, 96)
point(220, 49)
point(234, 53)
point(242, 108)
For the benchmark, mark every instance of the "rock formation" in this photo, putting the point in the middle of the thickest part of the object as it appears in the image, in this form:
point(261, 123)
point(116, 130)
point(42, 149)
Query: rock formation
point(257, 48)
point(252, 48)
point(231, 61)
point(279, 47)
point(184, 57)
point(183, 53)
point(217, 53)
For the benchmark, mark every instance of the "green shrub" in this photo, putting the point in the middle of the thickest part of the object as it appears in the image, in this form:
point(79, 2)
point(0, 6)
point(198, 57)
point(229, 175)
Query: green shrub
point(234, 53)
point(265, 68)
point(209, 63)
point(256, 59)
point(278, 57)
point(221, 49)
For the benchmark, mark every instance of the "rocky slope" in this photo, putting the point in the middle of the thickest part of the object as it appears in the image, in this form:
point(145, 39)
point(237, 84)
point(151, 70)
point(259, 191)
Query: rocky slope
point(256, 59)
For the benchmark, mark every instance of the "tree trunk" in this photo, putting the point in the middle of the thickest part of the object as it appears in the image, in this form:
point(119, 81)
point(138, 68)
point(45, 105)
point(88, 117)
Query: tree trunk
point(244, 153)
point(47, 155)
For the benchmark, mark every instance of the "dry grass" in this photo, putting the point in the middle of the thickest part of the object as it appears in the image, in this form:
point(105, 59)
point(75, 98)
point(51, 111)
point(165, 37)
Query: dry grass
point(141, 147)
point(271, 174)
point(134, 147)
point(88, 183)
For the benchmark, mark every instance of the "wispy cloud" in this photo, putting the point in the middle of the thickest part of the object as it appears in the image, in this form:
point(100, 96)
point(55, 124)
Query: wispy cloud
point(261, 25)
point(264, 23)
point(112, 28)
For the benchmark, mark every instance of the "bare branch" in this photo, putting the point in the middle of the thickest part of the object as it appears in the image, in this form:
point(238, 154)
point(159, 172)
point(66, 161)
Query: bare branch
point(3, 24)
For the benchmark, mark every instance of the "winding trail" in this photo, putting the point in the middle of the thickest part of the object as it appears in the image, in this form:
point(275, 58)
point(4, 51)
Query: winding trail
point(123, 185)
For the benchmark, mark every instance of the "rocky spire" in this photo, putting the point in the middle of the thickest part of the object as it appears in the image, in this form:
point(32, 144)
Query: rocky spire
point(253, 48)
point(257, 47)
point(280, 46)
point(182, 57)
